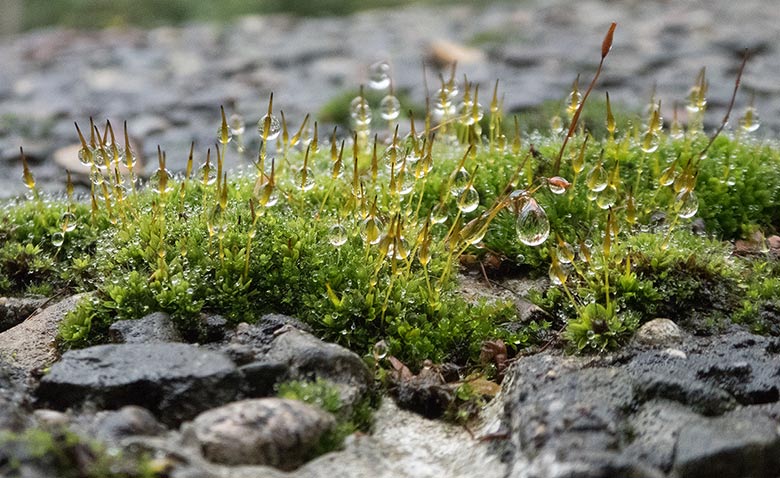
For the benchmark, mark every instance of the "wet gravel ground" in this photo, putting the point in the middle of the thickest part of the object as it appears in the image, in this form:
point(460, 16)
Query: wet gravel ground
point(168, 83)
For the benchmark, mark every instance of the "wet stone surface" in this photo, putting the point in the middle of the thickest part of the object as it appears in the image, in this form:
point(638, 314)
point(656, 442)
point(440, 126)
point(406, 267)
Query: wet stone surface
point(648, 412)
point(168, 83)
point(175, 381)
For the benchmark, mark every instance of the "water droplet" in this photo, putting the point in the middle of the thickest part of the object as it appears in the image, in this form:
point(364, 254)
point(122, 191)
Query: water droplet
point(468, 115)
point(439, 213)
point(519, 259)
point(85, 157)
point(459, 182)
point(96, 176)
point(650, 142)
point(68, 220)
point(556, 125)
point(224, 136)
point(389, 107)
point(237, 126)
point(161, 177)
point(304, 179)
point(557, 274)
point(532, 226)
point(407, 182)
point(57, 239)
point(686, 204)
point(566, 252)
point(207, 173)
point(398, 248)
point(337, 235)
point(379, 75)
point(668, 175)
point(558, 185)
point(607, 197)
point(269, 127)
point(393, 157)
point(371, 230)
point(468, 200)
point(380, 350)
point(597, 178)
point(749, 122)
point(360, 111)
point(573, 102)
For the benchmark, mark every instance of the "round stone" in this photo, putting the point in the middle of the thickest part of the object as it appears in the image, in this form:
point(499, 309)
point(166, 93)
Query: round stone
point(659, 333)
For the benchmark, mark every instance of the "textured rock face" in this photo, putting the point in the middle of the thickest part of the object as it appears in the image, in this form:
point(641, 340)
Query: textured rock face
point(14, 311)
point(174, 381)
point(309, 358)
point(729, 446)
point(156, 327)
point(266, 431)
point(278, 348)
point(29, 346)
point(649, 412)
point(12, 416)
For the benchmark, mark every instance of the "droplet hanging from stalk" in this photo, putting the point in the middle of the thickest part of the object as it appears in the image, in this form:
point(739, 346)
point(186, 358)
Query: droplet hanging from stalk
point(532, 225)
point(360, 111)
point(337, 235)
point(597, 178)
point(379, 75)
point(389, 108)
point(686, 204)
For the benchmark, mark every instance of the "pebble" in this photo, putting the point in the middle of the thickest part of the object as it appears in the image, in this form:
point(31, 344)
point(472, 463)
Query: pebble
point(658, 333)
point(265, 431)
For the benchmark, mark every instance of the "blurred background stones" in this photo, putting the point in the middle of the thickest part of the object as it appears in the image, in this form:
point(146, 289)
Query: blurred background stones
point(168, 82)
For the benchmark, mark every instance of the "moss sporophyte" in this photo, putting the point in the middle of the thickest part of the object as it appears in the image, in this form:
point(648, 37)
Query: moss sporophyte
point(359, 234)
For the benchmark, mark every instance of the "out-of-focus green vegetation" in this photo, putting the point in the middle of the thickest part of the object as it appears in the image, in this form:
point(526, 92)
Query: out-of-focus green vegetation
point(103, 13)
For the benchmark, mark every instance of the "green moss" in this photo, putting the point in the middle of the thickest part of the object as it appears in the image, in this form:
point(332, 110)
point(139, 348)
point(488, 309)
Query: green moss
point(619, 207)
point(325, 395)
point(65, 454)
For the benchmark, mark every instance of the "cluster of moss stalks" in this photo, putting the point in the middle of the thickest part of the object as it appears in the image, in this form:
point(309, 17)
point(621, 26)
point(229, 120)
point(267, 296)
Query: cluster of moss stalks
point(361, 237)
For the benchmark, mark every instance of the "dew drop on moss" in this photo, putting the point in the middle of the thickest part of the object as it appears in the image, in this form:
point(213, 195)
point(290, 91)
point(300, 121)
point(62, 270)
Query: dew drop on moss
point(459, 182)
point(687, 204)
point(68, 221)
point(607, 197)
point(532, 226)
point(57, 239)
point(389, 107)
point(468, 200)
point(269, 127)
point(360, 111)
point(439, 214)
point(379, 75)
point(337, 235)
point(597, 178)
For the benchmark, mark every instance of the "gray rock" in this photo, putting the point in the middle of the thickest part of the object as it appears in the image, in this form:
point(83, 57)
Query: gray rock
point(258, 336)
point(260, 377)
point(266, 431)
point(14, 311)
point(13, 417)
point(309, 358)
point(51, 418)
point(155, 327)
point(728, 447)
point(30, 346)
point(214, 327)
point(658, 333)
point(655, 427)
point(130, 420)
point(174, 381)
point(630, 414)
